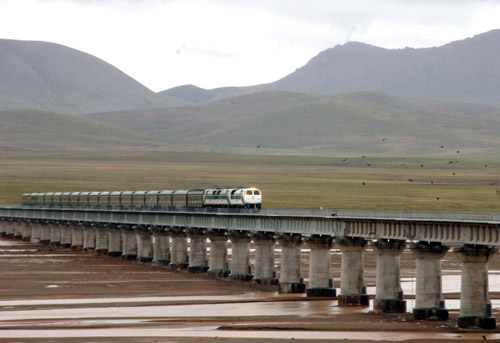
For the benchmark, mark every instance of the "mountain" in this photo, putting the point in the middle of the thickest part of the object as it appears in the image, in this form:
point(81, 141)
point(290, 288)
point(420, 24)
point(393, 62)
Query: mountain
point(190, 93)
point(52, 77)
point(362, 122)
point(38, 130)
point(467, 70)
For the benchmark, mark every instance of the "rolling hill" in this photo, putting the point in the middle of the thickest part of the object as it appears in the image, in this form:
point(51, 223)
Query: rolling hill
point(38, 130)
point(362, 122)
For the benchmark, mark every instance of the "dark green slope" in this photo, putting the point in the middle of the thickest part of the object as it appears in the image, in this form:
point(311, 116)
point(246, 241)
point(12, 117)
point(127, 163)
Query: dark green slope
point(37, 130)
point(353, 123)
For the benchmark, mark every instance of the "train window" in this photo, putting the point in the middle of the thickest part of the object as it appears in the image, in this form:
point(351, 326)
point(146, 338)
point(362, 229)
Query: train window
point(249, 192)
point(232, 193)
point(256, 192)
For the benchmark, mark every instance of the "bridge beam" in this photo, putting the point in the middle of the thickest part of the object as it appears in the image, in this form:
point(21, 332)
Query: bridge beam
point(264, 258)
point(217, 264)
point(198, 262)
point(291, 280)
point(180, 258)
point(429, 300)
point(144, 244)
point(352, 281)
point(161, 246)
point(475, 304)
point(240, 256)
point(389, 294)
point(320, 275)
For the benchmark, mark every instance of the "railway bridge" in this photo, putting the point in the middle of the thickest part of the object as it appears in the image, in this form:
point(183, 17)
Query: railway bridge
point(161, 237)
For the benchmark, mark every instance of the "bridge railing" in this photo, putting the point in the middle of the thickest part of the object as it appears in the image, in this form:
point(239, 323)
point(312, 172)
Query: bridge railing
point(483, 217)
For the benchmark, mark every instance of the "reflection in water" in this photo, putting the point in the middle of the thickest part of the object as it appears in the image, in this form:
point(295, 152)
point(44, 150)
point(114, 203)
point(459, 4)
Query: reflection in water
point(211, 332)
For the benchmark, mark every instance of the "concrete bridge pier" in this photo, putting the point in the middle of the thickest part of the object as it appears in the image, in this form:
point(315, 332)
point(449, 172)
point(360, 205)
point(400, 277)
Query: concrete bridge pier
point(26, 231)
point(55, 234)
point(179, 255)
point(76, 236)
point(264, 258)
point(129, 243)
point(240, 257)
point(114, 241)
point(18, 227)
point(320, 275)
point(144, 244)
point(101, 239)
point(9, 229)
point(198, 262)
point(429, 300)
point(35, 232)
point(217, 264)
point(3, 227)
point(45, 231)
point(352, 278)
point(475, 305)
point(291, 280)
point(65, 234)
point(161, 246)
point(88, 238)
point(389, 294)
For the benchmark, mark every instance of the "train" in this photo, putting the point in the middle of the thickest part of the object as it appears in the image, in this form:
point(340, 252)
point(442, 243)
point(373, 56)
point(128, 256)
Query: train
point(166, 199)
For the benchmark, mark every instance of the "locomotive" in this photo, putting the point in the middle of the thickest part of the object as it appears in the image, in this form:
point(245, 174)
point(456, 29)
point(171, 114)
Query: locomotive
point(229, 198)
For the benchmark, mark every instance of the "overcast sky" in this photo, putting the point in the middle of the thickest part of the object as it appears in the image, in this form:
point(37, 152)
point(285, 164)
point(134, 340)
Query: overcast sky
point(216, 43)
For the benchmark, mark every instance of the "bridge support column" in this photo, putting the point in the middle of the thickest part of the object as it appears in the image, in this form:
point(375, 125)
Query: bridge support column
point(217, 265)
point(9, 229)
point(352, 278)
point(35, 232)
point(45, 233)
point(291, 280)
point(161, 246)
point(88, 238)
point(129, 243)
point(26, 231)
point(429, 300)
point(475, 305)
point(144, 245)
point(76, 236)
point(65, 235)
point(179, 256)
point(18, 227)
point(240, 256)
point(320, 275)
point(101, 240)
point(3, 227)
point(264, 258)
point(114, 241)
point(389, 294)
point(55, 234)
point(197, 250)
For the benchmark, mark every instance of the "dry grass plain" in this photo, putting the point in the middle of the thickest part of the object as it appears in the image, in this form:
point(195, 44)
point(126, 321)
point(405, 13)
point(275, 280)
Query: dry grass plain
point(444, 184)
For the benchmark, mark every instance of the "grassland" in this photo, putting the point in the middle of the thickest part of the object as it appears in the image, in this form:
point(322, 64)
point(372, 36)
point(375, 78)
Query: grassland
point(286, 181)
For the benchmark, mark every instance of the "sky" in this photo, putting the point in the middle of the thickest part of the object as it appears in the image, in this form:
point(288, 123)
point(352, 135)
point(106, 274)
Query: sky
point(219, 43)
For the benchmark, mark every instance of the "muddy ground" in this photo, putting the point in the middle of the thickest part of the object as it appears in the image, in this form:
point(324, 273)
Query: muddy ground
point(55, 294)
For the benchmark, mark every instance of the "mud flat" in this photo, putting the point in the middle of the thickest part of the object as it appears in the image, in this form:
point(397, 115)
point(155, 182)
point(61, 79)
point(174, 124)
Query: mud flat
point(52, 294)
